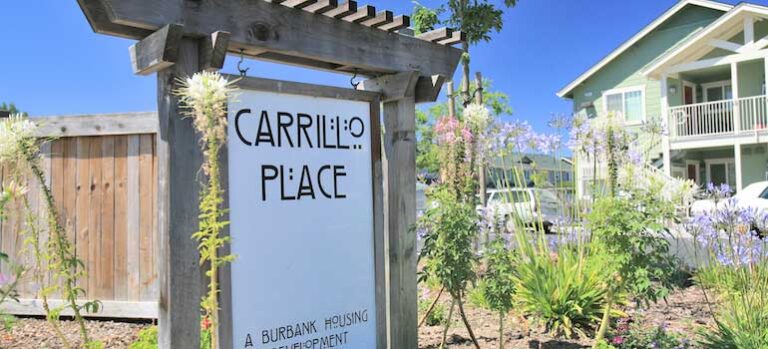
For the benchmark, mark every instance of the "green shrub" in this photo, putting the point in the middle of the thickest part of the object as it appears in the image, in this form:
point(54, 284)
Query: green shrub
point(566, 290)
point(436, 317)
point(147, 339)
point(657, 338)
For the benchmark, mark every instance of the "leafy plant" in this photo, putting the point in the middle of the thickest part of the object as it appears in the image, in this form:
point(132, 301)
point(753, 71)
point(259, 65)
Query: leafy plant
point(204, 95)
point(735, 274)
point(498, 287)
point(567, 290)
point(447, 251)
point(635, 337)
point(147, 339)
point(434, 316)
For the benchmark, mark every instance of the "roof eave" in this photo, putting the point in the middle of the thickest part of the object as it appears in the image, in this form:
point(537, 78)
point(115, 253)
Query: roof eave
point(567, 91)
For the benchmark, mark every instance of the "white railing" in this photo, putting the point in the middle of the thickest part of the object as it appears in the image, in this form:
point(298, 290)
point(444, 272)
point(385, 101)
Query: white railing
point(753, 113)
point(719, 117)
point(701, 119)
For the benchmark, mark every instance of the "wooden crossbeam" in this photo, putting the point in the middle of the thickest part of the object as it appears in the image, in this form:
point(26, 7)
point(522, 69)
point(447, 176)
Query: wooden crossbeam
point(399, 22)
point(436, 35)
point(384, 17)
point(456, 37)
point(363, 14)
point(322, 6)
point(213, 51)
point(325, 34)
point(298, 4)
point(343, 10)
point(157, 51)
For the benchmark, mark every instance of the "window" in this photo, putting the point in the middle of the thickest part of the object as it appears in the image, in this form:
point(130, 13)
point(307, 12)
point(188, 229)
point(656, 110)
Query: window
point(717, 91)
point(627, 103)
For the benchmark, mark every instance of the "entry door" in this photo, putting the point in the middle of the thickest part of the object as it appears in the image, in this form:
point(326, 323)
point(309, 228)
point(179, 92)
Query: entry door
point(693, 172)
point(688, 94)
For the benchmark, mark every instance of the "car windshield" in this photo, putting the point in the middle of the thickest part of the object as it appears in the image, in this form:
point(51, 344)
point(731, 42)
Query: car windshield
point(504, 197)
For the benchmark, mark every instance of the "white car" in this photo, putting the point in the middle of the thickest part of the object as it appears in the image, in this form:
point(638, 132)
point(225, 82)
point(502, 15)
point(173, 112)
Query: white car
point(529, 205)
point(754, 195)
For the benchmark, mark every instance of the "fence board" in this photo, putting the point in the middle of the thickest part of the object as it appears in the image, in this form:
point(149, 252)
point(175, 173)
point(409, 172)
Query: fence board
point(106, 257)
point(121, 222)
point(146, 206)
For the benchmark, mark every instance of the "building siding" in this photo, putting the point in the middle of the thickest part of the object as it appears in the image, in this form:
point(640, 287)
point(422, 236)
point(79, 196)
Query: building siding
point(624, 71)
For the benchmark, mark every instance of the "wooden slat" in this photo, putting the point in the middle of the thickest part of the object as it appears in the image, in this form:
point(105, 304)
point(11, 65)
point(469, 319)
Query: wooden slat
point(57, 180)
point(343, 10)
point(456, 38)
point(69, 213)
point(362, 14)
point(96, 195)
point(298, 4)
point(97, 125)
point(106, 259)
point(399, 22)
point(83, 202)
point(109, 309)
point(382, 18)
point(121, 221)
point(146, 206)
point(436, 35)
point(132, 220)
point(322, 6)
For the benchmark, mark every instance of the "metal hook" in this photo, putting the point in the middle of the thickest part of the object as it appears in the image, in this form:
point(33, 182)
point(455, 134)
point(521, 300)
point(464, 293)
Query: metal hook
point(242, 71)
point(352, 80)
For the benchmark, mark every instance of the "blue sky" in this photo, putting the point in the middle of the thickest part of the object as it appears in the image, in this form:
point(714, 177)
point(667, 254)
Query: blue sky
point(53, 64)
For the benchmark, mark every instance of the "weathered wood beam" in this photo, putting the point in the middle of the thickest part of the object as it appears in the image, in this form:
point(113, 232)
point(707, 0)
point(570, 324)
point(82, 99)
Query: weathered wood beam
point(384, 17)
point(343, 10)
point(322, 6)
point(262, 26)
point(97, 125)
point(428, 88)
point(400, 208)
point(456, 38)
point(399, 22)
point(363, 13)
point(157, 51)
point(436, 35)
point(298, 4)
point(179, 159)
point(392, 87)
point(213, 51)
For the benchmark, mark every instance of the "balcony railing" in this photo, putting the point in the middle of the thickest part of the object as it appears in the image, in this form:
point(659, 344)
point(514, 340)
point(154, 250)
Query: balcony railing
point(732, 116)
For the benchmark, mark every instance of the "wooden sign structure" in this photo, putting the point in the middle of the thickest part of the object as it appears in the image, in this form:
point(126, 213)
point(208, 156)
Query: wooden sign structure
point(178, 38)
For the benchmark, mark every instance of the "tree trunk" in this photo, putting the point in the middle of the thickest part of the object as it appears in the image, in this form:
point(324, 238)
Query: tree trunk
point(466, 322)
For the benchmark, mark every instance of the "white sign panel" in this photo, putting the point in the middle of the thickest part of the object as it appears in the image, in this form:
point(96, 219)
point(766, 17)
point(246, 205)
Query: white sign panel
point(301, 200)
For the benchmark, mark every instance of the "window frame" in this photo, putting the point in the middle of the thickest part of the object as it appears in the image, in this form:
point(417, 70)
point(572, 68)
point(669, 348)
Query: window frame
point(624, 91)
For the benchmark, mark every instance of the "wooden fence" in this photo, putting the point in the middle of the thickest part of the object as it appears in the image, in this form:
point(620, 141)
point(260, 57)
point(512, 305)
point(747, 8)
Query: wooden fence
point(102, 170)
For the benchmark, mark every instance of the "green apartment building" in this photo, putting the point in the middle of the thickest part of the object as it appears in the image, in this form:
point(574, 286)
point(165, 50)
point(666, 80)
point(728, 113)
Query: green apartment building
point(700, 69)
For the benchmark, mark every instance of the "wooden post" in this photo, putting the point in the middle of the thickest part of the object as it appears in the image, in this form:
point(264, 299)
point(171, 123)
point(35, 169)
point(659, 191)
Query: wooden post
point(481, 157)
point(400, 215)
point(179, 161)
point(451, 100)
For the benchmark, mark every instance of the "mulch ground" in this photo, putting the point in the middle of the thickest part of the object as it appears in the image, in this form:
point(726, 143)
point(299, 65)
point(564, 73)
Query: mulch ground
point(34, 333)
point(684, 312)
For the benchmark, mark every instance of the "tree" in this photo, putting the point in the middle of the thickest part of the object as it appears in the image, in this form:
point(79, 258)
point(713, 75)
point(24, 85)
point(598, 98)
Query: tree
point(477, 18)
point(11, 108)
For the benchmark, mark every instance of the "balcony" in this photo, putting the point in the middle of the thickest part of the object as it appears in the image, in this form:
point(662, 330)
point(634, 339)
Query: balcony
point(725, 119)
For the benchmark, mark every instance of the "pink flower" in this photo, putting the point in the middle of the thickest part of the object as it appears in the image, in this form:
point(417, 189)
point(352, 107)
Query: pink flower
point(618, 340)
